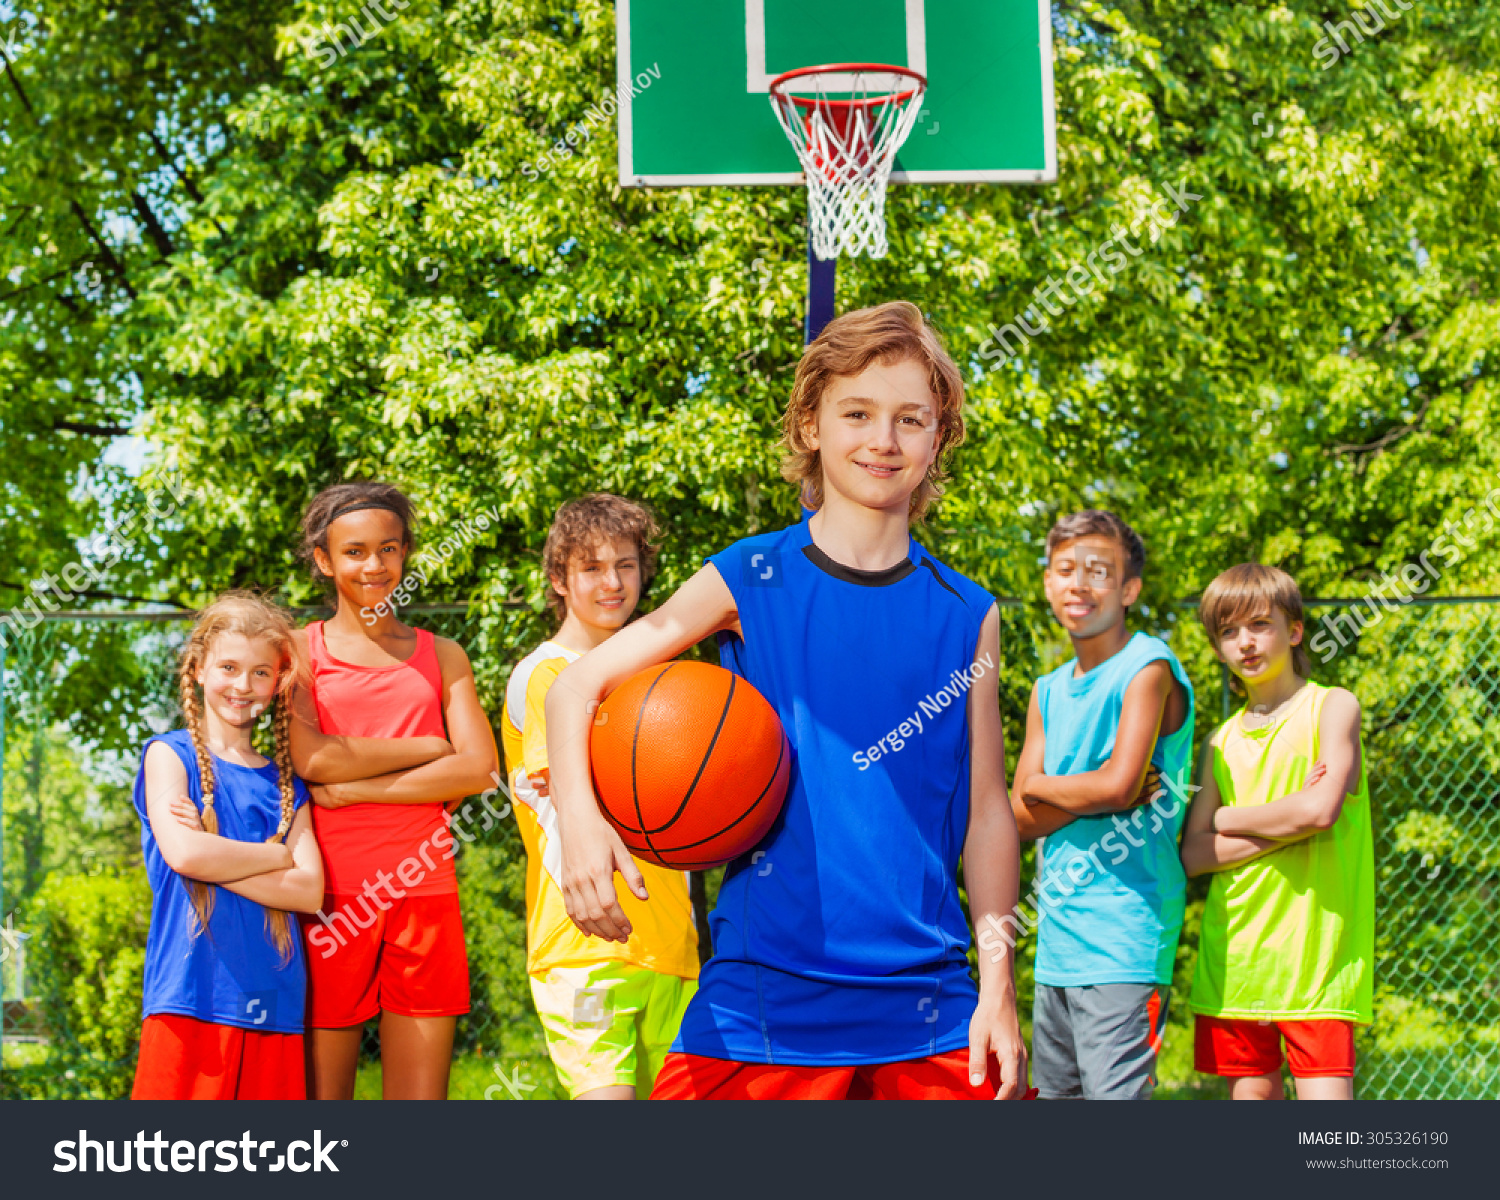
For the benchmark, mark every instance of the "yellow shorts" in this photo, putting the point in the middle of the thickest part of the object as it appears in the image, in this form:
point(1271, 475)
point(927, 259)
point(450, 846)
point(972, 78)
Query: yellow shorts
point(611, 1024)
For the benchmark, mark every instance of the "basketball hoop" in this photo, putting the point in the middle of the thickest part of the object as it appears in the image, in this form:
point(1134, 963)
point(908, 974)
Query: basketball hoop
point(846, 122)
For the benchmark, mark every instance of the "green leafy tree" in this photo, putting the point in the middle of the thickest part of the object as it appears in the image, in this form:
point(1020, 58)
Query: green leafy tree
point(61, 816)
point(331, 269)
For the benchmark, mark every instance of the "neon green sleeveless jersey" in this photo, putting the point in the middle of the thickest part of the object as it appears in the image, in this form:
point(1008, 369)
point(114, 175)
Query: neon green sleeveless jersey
point(1291, 935)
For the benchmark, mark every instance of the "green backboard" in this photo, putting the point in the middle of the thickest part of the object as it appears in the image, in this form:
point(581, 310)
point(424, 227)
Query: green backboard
point(700, 72)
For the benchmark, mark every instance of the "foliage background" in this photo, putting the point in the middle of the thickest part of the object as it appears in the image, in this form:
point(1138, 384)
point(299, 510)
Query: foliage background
point(221, 257)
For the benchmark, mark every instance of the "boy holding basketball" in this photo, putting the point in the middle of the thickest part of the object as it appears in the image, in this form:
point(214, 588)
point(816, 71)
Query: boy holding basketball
point(609, 1010)
point(1287, 948)
point(1100, 731)
point(840, 946)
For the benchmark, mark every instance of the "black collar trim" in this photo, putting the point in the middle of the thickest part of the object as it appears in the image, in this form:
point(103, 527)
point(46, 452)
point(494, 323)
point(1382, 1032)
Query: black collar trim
point(863, 578)
point(942, 583)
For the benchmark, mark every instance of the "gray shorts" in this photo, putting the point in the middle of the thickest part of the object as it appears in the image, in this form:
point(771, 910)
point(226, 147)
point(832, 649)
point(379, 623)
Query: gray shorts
point(1098, 1042)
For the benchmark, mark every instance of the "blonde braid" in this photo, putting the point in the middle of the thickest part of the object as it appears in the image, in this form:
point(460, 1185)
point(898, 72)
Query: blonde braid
point(285, 778)
point(200, 894)
point(278, 924)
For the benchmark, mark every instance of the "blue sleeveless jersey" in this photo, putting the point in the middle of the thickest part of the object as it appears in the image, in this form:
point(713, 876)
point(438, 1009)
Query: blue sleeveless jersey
point(840, 939)
point(231, 973)
point(1115, 917)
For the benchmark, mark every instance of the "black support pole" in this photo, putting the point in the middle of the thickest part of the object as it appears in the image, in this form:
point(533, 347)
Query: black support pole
point(820, 286)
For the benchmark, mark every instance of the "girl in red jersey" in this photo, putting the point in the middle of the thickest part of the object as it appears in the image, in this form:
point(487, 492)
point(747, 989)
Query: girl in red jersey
point(224, 978)
point(388, 734)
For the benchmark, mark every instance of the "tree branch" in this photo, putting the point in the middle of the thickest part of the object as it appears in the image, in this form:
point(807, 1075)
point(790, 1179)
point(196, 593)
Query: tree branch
point(47, 279)
point(1388, 438)
point(93, 594)
point(115, 265)
point(187, 182)
point(154, 228)
point(166, 156)
point(1386, 338)
point(16, 84)
point(91, 430)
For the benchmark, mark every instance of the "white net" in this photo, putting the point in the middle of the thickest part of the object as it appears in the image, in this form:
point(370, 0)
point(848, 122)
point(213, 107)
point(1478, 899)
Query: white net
point(846, 126)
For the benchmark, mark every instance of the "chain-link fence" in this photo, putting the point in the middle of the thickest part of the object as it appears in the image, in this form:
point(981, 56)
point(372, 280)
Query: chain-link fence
point(79, 693)
point(1429, 680)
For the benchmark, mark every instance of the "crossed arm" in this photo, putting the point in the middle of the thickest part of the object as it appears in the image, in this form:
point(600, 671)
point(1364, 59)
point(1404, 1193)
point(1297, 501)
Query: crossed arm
point(1217, 836)
point(402, 770)
point(1045, 803)
point(320, 757)
point(1203, 849)
point(280, 875)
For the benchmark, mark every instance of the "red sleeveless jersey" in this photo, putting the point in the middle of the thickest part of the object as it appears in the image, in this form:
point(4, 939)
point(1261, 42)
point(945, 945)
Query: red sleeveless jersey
point(408, 842)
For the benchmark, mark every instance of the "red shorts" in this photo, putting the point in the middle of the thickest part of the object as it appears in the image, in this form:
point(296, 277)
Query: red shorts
point(408, 959)
point(941, 1077)
point(1240, 1048)
point(183, 1058)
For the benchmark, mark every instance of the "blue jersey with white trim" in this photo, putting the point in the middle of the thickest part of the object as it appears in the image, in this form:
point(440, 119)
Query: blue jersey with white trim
point(840, 939)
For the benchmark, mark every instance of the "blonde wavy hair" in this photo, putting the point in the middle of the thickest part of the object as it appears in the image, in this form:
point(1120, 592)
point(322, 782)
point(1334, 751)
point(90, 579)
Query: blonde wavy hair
point(887, 333)
point(250, 616)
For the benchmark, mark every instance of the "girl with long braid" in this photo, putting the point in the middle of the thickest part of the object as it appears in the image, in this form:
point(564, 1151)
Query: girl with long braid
point(230, 852)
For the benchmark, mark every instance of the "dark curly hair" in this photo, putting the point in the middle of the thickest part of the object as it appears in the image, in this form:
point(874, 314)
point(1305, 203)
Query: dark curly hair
point(582, 524)
point(319, 515)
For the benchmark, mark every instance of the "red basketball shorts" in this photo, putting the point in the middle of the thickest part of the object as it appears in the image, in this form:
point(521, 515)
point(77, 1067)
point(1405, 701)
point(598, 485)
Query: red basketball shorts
point(1239, 1048)
point(183, 1058)
point(941, 1077)
point(398, 956)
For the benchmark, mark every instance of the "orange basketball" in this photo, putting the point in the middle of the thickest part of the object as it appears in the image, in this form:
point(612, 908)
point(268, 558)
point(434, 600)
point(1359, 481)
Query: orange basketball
point(690, 764)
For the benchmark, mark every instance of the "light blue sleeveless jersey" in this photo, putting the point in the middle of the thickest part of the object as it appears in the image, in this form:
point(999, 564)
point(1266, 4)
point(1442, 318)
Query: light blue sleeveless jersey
point(1110, 895)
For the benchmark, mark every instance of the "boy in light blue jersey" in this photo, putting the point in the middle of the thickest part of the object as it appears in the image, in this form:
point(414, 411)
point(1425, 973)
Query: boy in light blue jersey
point(1102, 731)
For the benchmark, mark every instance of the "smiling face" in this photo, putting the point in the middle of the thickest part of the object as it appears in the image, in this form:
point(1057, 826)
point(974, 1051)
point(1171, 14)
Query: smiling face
point(876, 435)
point(1257, 646)
point(603, 586)
point(238, 677)
point(1086, 585)
point(365, 556)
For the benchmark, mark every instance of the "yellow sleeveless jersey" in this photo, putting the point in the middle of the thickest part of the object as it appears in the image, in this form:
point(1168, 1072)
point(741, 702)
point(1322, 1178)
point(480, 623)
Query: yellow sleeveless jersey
point(1290, 935)
point(664, 935)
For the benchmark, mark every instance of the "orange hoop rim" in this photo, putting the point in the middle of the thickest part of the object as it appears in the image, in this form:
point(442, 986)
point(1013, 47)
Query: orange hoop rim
point(778, 85)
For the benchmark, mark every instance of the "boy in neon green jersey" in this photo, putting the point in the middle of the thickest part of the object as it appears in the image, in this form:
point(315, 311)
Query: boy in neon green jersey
point(1283, 819)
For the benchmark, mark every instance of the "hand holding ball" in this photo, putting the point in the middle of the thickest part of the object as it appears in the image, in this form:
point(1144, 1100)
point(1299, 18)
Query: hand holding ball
point(690, 765)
